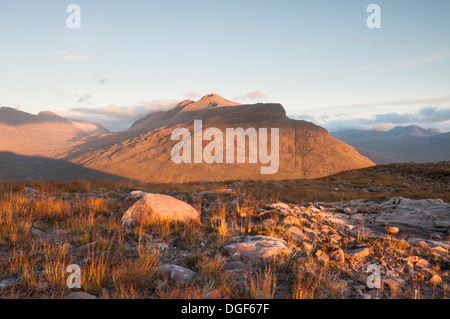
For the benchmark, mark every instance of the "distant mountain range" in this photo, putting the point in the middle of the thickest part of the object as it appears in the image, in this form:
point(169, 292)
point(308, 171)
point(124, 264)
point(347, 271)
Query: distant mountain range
point(143, 152)
point(41, 134)
point(401, 144)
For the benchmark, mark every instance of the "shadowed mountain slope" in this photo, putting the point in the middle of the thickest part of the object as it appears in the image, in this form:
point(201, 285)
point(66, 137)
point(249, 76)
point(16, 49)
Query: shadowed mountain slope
point(42, 134)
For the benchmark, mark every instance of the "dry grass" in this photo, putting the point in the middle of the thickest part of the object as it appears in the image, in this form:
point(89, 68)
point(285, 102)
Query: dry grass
point(121, 262)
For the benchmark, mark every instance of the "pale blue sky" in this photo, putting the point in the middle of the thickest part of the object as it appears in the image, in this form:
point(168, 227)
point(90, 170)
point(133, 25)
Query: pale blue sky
point(317, 58)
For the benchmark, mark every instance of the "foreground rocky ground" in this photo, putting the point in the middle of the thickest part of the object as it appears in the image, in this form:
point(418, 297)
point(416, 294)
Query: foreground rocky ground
point(222, 242)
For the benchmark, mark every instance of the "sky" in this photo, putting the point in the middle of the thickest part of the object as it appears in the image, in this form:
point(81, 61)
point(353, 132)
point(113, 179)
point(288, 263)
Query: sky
point(318, 59)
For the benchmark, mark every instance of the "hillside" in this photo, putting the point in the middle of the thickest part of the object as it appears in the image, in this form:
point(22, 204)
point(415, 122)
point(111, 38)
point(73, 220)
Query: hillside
point(43, 134)
point(144, 151)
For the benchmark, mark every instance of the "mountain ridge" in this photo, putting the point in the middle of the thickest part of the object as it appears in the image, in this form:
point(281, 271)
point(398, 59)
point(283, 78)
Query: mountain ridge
point(400, 144)
point(143, 152)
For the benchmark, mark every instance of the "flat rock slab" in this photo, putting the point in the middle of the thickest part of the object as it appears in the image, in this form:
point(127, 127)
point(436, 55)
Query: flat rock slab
point(259, 249)
point(427, 214)
point(80, 295)
point(153, 207)
point(180, 275)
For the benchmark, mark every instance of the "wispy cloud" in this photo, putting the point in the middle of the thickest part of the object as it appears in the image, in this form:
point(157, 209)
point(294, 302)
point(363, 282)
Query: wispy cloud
point(254, 95)
point(192, 95)
point(83, 98)
point(430, 117)
point(116, 117)
point(129, 112)
point(418, 100)
point(405, 62)
point(74, 57)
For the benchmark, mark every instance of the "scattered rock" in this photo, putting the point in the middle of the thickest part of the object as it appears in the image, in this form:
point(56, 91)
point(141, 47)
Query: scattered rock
point(268, 223)
point(423, 245)
point(55, 235)
point(442, 224)
point(80, 295)
point(153, 207)
point(160, 246)
point(135, 194)
point(259, 249)
point(350, 211)
point(296, 234)
point(436, 279)
point(311, 233)
point(422, 263)
point(360, 253)
point(412, 259)
point(291, 221)
point(36, 232)
point(237, 269)
point(360, 295)
point(391, 230)
point(6, 283)
point(394, 284)
point(338, 256)
point(180, 275)
point(29, 191)
point(321, 256)
point(440, 250)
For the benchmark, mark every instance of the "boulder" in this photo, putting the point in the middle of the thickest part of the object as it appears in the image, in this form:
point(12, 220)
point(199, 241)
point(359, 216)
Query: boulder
point(259, 249)
point(297, 234)
point(180, 275)
point(422, 263)
point(360, 253)
point(237, 269)
point(153, 207)
point(436, 279)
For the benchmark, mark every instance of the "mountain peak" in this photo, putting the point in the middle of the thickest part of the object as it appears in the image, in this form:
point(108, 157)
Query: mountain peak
point(207, 101)
point(412, 130)
point(48, 113)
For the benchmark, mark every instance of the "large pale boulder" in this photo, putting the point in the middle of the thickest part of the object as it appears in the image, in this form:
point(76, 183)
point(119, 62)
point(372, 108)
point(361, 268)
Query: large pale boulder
point(153, 207)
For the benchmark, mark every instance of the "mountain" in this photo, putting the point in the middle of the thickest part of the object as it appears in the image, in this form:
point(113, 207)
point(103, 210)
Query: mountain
point(401, 144)
point(42, 134)
point(47, 146)
point(143, 152)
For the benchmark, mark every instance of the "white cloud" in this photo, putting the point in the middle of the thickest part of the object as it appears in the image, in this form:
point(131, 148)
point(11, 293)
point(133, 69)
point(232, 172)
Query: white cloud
point(73, 57)
point(429, 117)
point(193, 96)
point(117, 117)
point(254, 95)
point(432, 99)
